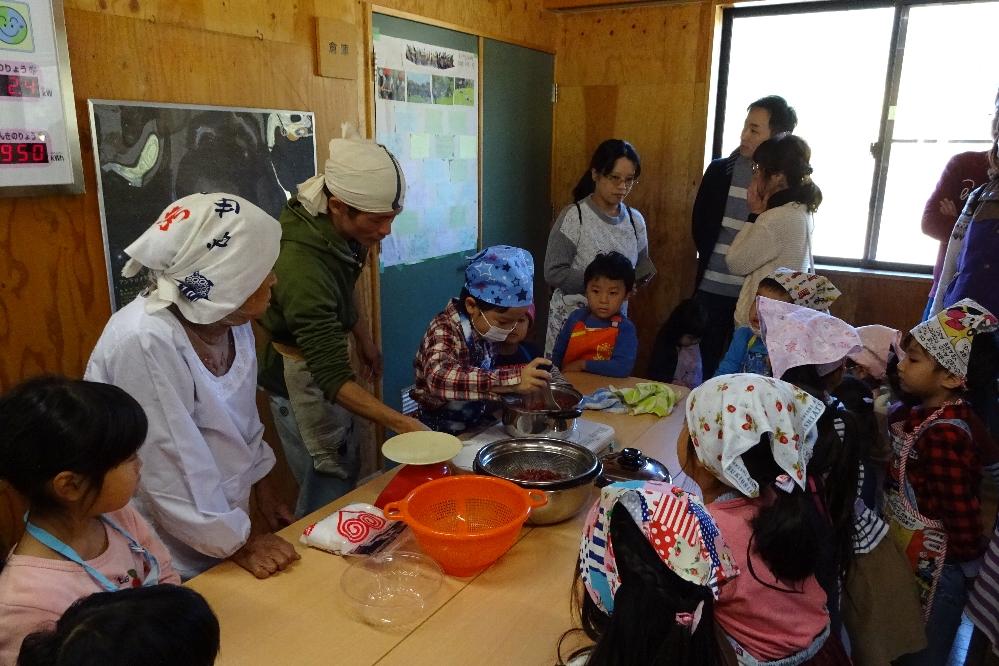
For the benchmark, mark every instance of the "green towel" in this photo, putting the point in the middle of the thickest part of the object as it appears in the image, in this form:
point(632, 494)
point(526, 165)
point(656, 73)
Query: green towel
point(648, 398)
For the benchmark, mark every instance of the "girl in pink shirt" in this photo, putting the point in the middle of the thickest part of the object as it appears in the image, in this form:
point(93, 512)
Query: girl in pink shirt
point(69, 448)
point(747, 443)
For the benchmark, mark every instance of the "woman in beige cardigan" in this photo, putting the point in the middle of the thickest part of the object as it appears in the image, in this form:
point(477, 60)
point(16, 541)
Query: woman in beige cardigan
point(783, 198)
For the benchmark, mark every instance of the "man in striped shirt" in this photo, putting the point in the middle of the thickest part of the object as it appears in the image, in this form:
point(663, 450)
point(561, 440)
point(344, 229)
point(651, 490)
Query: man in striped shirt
point(720, 210)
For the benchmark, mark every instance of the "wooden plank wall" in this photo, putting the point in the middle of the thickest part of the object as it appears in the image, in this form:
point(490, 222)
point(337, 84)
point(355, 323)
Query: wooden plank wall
point(252, 53)
point(644, 74)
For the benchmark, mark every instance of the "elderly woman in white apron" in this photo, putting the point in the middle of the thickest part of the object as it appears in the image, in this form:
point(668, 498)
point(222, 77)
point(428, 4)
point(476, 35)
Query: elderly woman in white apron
point(185, 351)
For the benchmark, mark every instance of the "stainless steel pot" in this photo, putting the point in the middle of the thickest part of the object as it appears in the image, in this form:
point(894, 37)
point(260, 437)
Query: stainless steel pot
point(515, 460)
point(529, 417)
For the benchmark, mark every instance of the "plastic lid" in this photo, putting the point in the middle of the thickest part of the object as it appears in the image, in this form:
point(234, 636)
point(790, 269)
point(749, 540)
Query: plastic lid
point(421, 448)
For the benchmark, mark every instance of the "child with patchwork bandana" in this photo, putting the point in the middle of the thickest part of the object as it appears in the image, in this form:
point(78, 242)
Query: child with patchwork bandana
point(931, 495)
point(456, 373)
point(651, 551)
point(747, 445)
point(748, 353)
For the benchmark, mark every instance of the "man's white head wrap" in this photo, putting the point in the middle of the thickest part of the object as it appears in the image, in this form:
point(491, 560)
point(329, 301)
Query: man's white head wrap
point(207, 254)
point(360, 173)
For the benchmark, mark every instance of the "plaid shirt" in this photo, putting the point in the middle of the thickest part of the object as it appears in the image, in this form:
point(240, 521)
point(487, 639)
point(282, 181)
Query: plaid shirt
point(450, 367)
point(945, 470)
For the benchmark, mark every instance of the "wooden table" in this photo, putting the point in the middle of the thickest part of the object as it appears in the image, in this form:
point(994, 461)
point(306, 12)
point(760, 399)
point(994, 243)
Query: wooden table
point(512, 613)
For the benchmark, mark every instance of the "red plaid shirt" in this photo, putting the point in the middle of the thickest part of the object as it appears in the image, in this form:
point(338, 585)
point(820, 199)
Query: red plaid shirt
point(945, 470)
point(449, 367)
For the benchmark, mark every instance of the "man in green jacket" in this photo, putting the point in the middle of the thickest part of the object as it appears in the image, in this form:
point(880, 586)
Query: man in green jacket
point(326, 232)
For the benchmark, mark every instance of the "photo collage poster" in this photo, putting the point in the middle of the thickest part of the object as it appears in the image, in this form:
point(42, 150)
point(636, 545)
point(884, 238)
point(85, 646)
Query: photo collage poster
point(426, 113)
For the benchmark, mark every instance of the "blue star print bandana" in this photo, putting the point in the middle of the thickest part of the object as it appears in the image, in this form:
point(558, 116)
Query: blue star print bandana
point(677, 526)
point(206, 253)
point(502, 275)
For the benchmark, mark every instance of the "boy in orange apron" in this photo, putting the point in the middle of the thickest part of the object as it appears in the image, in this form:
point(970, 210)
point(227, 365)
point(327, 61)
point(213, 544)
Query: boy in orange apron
point(931, 495)
point(598, 338)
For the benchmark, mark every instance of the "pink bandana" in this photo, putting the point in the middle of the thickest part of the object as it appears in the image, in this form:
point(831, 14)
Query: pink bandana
point(878, 342)
point(797, 336)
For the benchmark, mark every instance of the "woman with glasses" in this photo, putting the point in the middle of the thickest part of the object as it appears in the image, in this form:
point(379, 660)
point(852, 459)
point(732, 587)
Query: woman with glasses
point(598, 221)
point(782, 199)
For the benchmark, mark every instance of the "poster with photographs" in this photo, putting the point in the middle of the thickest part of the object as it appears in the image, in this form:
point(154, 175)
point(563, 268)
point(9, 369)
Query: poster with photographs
point(149, 155)
point(426, 113)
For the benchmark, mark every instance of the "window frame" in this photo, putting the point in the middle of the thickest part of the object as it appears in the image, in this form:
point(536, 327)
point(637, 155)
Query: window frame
point(881, 149)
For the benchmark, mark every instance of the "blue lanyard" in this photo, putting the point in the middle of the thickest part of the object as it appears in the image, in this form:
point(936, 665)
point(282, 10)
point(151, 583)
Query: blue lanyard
point(58, 546)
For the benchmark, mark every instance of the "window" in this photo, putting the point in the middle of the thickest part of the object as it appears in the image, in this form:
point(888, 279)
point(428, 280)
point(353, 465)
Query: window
point(881, 128)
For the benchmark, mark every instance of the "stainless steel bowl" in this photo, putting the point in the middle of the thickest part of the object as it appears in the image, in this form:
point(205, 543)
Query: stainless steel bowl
point(525, 461)
point(529, 417)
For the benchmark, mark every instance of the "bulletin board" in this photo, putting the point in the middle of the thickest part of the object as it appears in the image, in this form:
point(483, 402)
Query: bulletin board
point(515, 93)
point(39, 140)
point(426, 113)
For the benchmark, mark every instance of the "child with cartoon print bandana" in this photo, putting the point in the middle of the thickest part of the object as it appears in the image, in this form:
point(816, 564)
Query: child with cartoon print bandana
point(931, 494)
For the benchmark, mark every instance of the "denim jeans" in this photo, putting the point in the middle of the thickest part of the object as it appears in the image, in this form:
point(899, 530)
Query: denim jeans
point(310, 425)
point(945, 619)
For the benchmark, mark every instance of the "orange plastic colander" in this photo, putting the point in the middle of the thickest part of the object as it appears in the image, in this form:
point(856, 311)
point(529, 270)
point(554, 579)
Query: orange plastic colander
point(466, 522)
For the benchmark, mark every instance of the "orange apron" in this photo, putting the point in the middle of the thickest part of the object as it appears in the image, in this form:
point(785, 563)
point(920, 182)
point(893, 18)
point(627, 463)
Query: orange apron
point(592, 344)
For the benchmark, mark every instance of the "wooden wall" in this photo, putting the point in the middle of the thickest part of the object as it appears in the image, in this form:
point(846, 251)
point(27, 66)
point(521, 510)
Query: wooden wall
point(254, 53)
point(644, 74)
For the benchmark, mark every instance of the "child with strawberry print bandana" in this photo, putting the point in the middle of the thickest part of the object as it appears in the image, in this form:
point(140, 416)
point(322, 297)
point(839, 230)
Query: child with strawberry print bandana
point(747, 445)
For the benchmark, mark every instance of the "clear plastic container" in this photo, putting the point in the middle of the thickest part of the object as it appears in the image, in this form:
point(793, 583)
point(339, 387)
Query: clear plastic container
point(392, 589)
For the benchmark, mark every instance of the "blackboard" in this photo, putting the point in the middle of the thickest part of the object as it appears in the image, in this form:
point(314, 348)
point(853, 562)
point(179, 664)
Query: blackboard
point(516, 133)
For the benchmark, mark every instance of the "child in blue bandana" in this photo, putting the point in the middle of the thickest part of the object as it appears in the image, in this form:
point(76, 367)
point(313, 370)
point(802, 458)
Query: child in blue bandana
point(456, 371)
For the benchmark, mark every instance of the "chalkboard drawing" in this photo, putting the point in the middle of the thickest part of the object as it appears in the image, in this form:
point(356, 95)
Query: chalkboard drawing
point(392, 84)
point(418, 88)
point(464, 92)
point(15, 27)
point(443, 90)
point(149, 155)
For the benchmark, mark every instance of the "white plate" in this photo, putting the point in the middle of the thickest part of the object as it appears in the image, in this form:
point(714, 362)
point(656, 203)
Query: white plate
point(421, 448)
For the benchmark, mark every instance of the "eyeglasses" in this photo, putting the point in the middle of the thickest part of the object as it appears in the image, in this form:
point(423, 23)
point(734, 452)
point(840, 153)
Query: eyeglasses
point(618, 181)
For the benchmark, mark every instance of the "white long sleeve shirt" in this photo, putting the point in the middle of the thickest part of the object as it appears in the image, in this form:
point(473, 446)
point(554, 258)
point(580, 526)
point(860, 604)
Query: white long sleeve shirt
point(204, 448)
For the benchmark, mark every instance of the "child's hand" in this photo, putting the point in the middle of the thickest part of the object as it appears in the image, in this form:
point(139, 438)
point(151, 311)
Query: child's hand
point(579, 365)
point(265, 554)
point(534, 376)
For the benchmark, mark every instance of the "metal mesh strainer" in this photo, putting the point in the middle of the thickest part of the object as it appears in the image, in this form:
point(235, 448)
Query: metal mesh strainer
point(538, 462)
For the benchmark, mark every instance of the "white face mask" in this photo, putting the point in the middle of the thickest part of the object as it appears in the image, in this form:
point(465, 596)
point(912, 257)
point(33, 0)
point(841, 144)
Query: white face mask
point(495, 333)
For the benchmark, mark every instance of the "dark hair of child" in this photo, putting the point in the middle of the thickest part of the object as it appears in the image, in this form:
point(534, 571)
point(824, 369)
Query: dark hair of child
point(603, 160)
point(771, 284)
point(687, 318)
point(784, 533)
point(834, 468)
point(642, 630)
point(479, 303)
point(54, 424)
point(612, 266)
point(858, 399)
point(166, 625)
